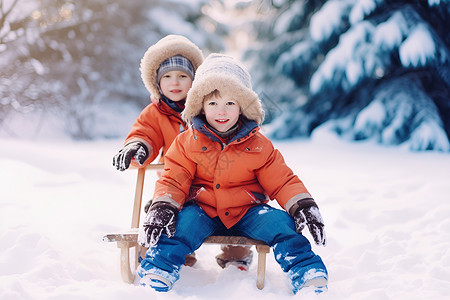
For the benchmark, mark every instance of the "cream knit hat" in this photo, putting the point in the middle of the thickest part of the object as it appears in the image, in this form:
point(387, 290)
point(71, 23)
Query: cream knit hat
point(165, 48)
point(223, 73)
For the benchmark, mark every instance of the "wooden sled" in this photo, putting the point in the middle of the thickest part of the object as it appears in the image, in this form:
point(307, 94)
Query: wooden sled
point(128, 239)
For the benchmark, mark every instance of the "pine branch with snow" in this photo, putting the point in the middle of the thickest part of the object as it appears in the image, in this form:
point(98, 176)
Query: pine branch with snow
point(352, 49)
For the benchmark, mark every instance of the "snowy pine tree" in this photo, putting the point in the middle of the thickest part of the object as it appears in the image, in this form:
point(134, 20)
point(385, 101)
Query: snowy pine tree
point(369, 69)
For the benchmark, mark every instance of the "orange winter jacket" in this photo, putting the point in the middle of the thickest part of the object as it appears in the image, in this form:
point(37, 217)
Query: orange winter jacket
point(156, 127)
point(227, 180)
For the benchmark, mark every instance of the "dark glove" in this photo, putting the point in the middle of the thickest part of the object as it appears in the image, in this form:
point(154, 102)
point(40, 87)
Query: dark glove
point(161, 217)
point(147, 205)
point(137, 150)
point(307, 213)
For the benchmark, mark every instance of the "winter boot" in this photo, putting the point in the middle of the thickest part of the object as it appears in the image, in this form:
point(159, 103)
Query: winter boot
point(239, 256)
point(315, 278)
point(157, 279)
point(190, 260)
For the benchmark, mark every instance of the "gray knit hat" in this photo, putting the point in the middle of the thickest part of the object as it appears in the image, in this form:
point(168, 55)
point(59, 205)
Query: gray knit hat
point(165, 48)
point(223, 73)
point(175, 63)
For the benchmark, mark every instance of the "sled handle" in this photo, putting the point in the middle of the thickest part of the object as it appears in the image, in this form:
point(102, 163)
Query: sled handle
point(135, 219)
point(138, 198)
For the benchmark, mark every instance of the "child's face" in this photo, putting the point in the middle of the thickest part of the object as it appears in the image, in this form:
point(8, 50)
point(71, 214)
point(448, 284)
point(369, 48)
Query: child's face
point(221, 112)
point(175, 85)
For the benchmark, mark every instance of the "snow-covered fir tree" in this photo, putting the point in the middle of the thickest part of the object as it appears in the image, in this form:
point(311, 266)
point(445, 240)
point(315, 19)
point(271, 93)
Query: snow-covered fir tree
point(367, 69)
point(75, 58)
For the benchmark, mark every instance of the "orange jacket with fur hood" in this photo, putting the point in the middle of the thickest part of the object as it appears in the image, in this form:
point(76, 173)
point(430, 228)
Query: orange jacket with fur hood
point(226, 179)
point(158, 124)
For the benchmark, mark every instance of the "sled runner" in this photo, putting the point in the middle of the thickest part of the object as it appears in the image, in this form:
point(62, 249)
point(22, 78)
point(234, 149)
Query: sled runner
point(128, 239)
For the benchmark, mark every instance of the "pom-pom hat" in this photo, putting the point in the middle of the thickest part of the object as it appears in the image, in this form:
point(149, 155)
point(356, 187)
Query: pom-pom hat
point(165, 48)
point(225, 74)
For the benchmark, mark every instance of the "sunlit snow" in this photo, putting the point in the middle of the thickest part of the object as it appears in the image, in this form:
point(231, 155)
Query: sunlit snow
point(386, 214)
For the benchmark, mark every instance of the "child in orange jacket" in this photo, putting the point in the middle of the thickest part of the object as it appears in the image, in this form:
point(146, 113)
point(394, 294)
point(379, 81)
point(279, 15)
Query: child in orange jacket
point(167, 70)
point(230, 171)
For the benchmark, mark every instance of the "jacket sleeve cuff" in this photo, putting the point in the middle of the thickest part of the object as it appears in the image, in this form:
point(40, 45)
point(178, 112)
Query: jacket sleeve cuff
point(299, 201)
point(167, 199)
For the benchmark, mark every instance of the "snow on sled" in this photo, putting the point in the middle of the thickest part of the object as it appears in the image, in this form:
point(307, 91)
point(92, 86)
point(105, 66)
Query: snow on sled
point(128, 238)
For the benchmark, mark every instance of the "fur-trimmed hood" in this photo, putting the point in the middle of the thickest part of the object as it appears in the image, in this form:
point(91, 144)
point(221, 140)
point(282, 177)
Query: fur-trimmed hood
point(223, 73)
point(165, 48)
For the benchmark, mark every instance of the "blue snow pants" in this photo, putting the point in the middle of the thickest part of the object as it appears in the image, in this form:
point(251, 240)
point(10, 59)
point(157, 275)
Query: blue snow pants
point(292, 250)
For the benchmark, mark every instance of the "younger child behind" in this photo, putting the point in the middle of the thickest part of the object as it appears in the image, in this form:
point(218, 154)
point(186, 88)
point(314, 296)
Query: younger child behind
point(167, 70)
point(231, 171)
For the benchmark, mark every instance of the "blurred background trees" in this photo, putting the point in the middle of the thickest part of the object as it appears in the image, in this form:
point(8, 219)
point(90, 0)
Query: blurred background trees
point(361, 69)
point(80, 59)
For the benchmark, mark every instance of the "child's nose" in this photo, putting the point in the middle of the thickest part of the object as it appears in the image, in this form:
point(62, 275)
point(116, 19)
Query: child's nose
point(221, 111)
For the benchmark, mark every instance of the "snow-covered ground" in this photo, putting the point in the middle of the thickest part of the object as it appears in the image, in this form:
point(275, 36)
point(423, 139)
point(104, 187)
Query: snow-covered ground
point(386, 210)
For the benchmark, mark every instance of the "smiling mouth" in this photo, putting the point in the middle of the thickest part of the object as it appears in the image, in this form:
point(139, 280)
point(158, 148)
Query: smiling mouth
point(175, 91)
point(222, 121)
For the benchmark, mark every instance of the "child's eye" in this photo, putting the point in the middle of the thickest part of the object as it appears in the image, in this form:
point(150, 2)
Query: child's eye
point(212, 103)
point(231, 103)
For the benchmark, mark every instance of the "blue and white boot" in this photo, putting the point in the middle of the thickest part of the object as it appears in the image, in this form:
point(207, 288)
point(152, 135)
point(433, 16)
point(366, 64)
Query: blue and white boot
point(315, 278)
point(157, 279)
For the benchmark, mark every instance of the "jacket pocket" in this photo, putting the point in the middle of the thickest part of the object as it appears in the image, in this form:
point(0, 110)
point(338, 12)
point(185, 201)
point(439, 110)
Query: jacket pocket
point(257, 197)
point(194, 191)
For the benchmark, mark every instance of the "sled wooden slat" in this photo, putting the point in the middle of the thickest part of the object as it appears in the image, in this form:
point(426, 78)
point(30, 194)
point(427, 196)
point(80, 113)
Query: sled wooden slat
point(131, 236)
point(128, 239)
